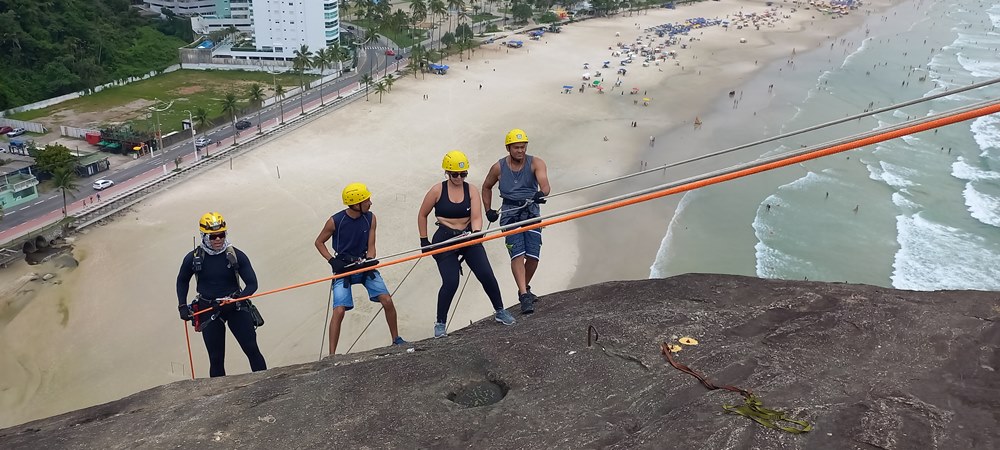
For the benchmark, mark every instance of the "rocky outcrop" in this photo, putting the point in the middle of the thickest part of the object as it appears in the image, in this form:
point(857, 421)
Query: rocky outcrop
point(868, 367)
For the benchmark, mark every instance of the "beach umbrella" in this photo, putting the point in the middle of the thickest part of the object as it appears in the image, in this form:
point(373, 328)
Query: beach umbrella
point(645, 99)
point(567, 86)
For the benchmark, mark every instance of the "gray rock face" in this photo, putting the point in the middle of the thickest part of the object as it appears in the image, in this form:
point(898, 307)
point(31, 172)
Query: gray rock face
point(868, 367)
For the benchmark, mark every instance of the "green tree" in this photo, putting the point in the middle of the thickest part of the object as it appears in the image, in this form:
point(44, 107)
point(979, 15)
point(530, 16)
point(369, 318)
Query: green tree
point(256, 95)
point(380, 89)
point(64, 179)
point(389, 80)
point(438, 8)
point(279, 95)
point(521, 12)
point(301, 62)
point(549, 17)
point(448, 39)
point(200, 117)
point(54, 157)
point(323, 60)
point(366, 80)
point(231, 107)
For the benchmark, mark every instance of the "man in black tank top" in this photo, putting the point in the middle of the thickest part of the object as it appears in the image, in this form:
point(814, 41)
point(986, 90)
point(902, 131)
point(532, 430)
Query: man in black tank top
point(524, 183)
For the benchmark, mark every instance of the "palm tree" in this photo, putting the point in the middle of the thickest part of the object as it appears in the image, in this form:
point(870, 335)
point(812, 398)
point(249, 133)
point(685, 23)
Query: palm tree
point(279, 94)
point(389, 80)
point(458, 5)
point(366, 80)
point(322, 60)
point(64, 179)
point(438, 8)
point(255, 93)
point(302, 61)
point(231, 107)
point(380, 89)
point(200, 117)
point(345, 8)
point(418, 13)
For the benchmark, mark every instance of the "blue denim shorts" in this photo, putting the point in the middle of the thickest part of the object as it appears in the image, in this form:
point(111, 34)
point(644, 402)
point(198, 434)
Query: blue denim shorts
point(342, 292)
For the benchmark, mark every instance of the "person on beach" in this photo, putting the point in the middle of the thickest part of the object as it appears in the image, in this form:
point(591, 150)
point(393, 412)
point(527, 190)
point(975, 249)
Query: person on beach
point(524, 183)
point(458, 210)
point(352, 232)
point(218, 268)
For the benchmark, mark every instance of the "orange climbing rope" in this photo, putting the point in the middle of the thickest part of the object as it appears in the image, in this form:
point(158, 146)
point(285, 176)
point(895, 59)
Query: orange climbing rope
point(874, 137)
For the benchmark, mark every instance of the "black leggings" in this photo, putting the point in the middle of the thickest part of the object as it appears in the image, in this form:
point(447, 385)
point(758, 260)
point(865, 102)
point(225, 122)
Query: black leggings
point(242, 327)
point(448, 267)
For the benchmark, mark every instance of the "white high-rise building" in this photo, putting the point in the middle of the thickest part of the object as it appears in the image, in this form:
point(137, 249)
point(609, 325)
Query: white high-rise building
point(282, 26)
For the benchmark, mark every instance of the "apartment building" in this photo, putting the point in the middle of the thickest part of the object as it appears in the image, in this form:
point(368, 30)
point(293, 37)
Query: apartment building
point(276, 28)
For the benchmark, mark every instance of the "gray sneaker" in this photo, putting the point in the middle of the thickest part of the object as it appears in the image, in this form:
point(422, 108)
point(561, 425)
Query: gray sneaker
point(527, 303)
point(439, 330)
point(504, 317)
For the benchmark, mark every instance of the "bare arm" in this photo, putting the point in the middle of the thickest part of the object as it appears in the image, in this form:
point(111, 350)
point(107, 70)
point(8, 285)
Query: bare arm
point(491, 180)
point(371, 240)
point(324, 235)
point(476, 216)
point(542, 175)
point(430, 199)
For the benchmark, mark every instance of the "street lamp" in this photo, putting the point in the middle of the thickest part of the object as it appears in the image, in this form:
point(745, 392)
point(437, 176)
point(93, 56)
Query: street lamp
point(159, 137)
point(191, 124)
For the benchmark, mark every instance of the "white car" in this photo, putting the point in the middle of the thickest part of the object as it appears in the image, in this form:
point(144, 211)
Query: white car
point(202, 141)
point(16, 132)
point(103, 184)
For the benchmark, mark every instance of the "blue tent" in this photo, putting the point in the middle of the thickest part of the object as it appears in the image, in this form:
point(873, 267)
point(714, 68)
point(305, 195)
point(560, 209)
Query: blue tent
point(439, 69)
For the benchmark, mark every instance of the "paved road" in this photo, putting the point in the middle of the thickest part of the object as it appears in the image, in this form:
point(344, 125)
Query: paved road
point(48, 207)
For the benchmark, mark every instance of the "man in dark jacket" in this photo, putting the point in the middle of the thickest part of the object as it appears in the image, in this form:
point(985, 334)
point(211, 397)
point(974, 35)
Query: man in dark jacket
point(218, 268)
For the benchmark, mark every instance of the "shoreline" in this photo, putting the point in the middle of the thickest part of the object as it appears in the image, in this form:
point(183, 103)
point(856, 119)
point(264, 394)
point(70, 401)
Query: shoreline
point(123, 288)
point(659, 213)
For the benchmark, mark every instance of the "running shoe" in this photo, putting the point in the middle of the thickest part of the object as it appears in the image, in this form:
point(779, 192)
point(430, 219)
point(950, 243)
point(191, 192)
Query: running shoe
point(399, 341)
point(439, 330)
point(504, 317)
point(527, 303)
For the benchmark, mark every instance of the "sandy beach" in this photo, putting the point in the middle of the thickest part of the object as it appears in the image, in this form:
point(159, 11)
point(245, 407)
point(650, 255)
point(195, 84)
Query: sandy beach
point(109, 327)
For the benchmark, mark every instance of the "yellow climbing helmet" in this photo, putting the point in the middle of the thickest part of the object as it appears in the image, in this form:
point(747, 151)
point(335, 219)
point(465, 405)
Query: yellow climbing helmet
point(455, 161)
point(212, 222)
point(514, 136)
point(355, 193)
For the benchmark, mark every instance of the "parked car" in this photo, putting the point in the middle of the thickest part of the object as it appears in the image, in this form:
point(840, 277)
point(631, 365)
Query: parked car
point(103, 184)
point(243, 124)
point(202, 141)
point(6, 129)
point(16, 132)
point(398, 57)
point(389, 52)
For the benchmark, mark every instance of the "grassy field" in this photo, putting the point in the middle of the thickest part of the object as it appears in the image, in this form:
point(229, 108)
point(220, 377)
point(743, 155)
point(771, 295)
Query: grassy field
point(187, 89)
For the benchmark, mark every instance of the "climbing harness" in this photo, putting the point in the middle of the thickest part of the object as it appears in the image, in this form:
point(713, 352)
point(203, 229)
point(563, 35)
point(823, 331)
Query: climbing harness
point(752, 407)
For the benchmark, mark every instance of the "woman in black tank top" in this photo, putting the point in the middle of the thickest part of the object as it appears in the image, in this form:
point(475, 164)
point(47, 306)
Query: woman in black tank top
point(458, 207)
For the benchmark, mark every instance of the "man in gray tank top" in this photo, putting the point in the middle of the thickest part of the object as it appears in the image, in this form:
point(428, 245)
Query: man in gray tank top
point(524, 183)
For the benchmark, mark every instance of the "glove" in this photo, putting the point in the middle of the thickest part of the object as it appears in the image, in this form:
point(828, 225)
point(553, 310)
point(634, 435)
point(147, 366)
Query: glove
point(424, 242)
point(539, 197)
point(186, 313)
point(492, 215)
point(337, 264)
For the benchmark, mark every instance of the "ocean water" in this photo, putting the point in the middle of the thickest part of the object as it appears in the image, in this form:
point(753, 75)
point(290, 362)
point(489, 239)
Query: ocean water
point(921, 212)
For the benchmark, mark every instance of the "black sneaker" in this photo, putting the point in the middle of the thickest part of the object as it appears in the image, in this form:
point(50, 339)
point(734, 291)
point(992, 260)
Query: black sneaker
point(527, 303)
point(535, 297)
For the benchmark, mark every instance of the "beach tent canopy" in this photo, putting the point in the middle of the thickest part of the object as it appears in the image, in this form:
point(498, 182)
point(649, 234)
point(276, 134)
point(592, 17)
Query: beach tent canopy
point(566, 86)
point(645, 99)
